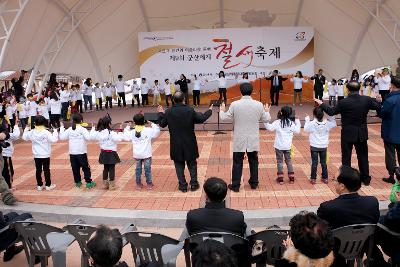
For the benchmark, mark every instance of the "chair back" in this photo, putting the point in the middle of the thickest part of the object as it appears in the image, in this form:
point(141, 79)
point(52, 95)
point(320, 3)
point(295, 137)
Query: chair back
point(82, 233)
point(34, 235)
point(267, 246)
point(148, 246)
point(352, 239)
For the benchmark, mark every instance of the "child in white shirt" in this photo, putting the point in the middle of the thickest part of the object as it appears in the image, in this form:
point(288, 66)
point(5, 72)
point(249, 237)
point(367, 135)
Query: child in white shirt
point(41, 148)
point(31, 107)
point(144, 90)
point(108, 91)
point(156, 93)
point(141, 138)
point(197, 84)
point(285, 126)
point(340, 90)
point(135, 89)
point(11, 109)
point(298, 81)
point(332, 93)
point(108, 140)
point(98, 95)
point(78, 137)
point(167, 92)
point(8, 169)
point(319, 129)
point(43, 110)
point(22, 113)
point(55, 110)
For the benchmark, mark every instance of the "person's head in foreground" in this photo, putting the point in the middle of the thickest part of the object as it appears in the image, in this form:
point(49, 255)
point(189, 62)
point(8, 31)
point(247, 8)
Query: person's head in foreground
point(348, 180)
point(212, 253)
point(246, 89)
point(353, 86)
point(312, 241)
point(178, 97)
point(318, 113)
point(139, 121)
point(40, 121)
point(285, 115)
point(105, 247)
point(104, 123)
point(77, 119)
point(395, 84)
point(215, 189)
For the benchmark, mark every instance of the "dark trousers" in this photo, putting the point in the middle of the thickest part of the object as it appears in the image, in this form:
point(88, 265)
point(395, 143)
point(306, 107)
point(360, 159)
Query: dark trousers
point(109, 172)
point(121, 97)
point(100, 103)
point(55, 120)
point(9, 237)
point(24, 122)
point(390, 157)
point(43, 164)
point(362, 157)
point(383, 93)
point(180, 172)
point(80, 106)
point(108, 102)
point(186, 96)
point(8, 171)
point(12, 124)
point(145, 99)
point(274, 95)
point(32, 121)
point(168, 97)
point(78, 162)
point(137, 100)
point(314, 163)
point(222, 94)
point(64, 110)
point(340, 98)
point(88, 99)
point(196, 97)
point(237, 168)
point(319, 94)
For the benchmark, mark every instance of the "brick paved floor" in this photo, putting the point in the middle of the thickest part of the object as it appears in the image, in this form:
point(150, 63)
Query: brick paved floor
point(215, 160)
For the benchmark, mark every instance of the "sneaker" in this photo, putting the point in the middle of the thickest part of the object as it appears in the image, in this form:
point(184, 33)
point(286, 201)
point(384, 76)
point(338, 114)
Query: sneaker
point(313, 181)
point(51, 187)
point(39, 188)
point(90, 185)
point(194, 187)
point(150, 186)
point(139, 186)
point(325, 181)
point(78, 184)
point(389, 180)
point(280, 181)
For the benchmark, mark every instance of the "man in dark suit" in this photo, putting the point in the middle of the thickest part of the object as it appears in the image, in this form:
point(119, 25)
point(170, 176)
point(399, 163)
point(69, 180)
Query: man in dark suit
point(319, 84)
point(276, 86)
point(215, 217)
point(180, 120)
point(354, 110)
point(349, 207)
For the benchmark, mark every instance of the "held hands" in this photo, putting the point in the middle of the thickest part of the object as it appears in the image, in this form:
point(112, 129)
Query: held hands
point(211, 107)
point(222, 107)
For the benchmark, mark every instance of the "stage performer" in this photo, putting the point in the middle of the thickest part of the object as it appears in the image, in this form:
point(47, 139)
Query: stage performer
point(87, 89)
point(222, 84)
point(383, 82)
point(298, 81)
point(246, 114)
point(156, 93)
point(120, 88)
point(180, 120)
point(319, 84)
point(168, 92)
point(108, 140)
point(144, 90)
point(276, 86)
point(197, 84)
point(135, 88)
point(354, 110)
point(183, 86)
point(244, 79)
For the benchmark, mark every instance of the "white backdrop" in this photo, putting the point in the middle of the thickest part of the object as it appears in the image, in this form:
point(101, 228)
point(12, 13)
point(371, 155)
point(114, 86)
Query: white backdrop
point(205, 52)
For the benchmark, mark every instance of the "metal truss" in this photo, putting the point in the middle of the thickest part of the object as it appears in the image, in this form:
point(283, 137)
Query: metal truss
point(68, 25)
point(10, 12)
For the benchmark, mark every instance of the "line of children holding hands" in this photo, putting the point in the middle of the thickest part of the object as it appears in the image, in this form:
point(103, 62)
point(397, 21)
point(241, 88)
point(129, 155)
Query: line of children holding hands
point(141, 137)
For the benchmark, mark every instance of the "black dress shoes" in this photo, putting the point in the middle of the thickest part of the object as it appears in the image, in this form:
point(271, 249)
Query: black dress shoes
point(233, 188)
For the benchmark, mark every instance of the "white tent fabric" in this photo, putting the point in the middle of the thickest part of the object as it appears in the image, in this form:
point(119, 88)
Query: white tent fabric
point(346, 36)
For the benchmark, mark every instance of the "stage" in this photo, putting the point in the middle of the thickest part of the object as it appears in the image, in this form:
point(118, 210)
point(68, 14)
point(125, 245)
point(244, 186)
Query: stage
point(163, 203)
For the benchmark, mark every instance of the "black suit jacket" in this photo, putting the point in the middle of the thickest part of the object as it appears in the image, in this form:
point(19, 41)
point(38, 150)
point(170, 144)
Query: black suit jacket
point(280, 80)
point(180, 120)
point(349, 209)
point(215, 217)
point(353, 110)
point(183, 85)
point(319, 82)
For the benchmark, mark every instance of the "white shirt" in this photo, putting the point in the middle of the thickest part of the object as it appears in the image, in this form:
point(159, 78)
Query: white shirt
point(135, 88)
point(383, 82)
point(31, 107)
point(156, 89)
point(77, 139)
point(197, 85)
point(43, 110)
point(107, 139)
point(64, 96)
point(340, 90)
point(10, 111)
point(332, 90)
point(283, 136)
point(120, 86)
point(222, 81)
point(55, 106)
point(319, 131)
point(87, 90)
point(9, 151)
point(142, 145)
point(22, 110)
point(108, 91)
point(41, 141)
point(145, 88)
point(167, 89)
point(298, 82)
point(97, 92)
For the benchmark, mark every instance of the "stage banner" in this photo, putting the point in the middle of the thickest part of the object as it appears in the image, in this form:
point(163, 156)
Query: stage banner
point(205, 52)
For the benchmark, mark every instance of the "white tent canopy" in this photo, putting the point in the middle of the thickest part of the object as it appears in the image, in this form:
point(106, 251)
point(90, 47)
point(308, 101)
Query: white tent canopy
point(84, 37)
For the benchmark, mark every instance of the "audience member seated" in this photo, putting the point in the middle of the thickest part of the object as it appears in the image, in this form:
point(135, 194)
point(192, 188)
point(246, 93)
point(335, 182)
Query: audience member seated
point(9, 236)
point(212, 253)
point(349, 207)
point(105, 248)
point(215, 217)
point(310, 243)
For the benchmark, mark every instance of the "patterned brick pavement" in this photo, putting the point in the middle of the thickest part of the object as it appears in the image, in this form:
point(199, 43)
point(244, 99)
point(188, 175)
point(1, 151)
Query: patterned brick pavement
point(215, 160)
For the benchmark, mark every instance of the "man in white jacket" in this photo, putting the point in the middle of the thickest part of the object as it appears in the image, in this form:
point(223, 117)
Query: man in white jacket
point(246, 114)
